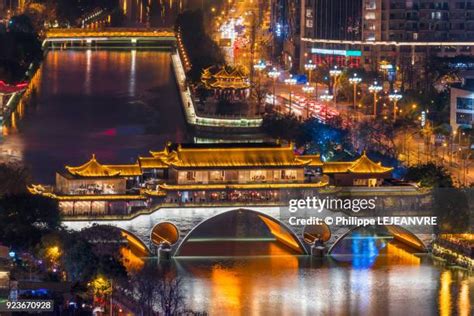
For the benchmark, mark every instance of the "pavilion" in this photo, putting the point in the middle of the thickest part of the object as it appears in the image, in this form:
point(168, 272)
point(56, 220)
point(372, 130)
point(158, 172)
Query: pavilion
point(195, 173)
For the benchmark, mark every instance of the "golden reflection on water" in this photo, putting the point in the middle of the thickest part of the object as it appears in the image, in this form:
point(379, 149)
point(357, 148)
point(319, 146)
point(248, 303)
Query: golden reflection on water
point(445, 293)
point(130, 260)
point(396, 254)
point(232, 288)
point(449, 286)
point(464, 300)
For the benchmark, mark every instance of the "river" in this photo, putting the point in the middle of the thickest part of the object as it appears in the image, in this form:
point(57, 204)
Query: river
point(392, 281)
point(116, 104)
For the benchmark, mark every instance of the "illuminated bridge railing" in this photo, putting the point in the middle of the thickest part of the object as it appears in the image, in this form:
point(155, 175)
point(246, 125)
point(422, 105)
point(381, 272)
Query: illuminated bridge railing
point(108, 33)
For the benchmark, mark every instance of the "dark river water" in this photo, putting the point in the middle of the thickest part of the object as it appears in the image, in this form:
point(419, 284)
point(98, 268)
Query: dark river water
point(116, 104)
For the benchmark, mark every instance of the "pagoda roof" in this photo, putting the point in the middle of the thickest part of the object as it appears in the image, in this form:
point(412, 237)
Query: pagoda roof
point(221, 157)
point(126, 170)
point(362, 165)
point(222, 78)
point(93, 169)
point(152, 163)
point(315, 160)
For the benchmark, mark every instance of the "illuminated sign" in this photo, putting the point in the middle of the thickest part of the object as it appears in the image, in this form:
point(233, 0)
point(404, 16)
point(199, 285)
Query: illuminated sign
point(339, 52)
point(423, 119)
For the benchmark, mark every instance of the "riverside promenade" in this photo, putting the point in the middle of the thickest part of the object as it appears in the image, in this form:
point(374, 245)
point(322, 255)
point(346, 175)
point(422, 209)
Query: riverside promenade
point(189, 108)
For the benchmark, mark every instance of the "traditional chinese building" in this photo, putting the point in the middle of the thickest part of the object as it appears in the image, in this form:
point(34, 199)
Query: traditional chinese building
point(200, 173)
point(226, 83)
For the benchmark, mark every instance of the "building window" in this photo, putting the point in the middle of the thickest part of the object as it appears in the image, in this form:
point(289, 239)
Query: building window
point(258, 175)
point(465, 103)
point(288, 174)
point(370, 16)
point(463, 118)
point(217, 175)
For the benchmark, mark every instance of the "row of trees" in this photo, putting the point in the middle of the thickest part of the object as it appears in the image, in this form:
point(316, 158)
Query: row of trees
point(202, 51)
point(21, 47)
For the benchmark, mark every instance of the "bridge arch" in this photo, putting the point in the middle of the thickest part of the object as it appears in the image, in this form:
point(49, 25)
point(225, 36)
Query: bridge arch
point(136, 241)
point(399, 233)
point(277, 228)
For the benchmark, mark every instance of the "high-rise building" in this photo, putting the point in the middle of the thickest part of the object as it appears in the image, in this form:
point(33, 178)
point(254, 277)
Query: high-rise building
point(286, 29)
point(398, 33)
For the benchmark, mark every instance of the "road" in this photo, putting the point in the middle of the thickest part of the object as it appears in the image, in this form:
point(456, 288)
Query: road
point(414, 150)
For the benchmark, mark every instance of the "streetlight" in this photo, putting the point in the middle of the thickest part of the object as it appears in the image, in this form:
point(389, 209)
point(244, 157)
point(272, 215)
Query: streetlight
point(395, 97)
point(274, 74)
point(291, 82)
point(375, 88)
point(261, 65)
point(309, 91)
point(354, 81)
point(335, 73)
point(326, 98)
point(310, 67)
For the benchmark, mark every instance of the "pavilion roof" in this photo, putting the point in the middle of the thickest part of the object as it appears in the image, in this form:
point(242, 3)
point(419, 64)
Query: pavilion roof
point(152, 163)
point(223, 79)
point(315, 160)
point(126, 170)
point(362, 165)
point(93, 168)
point(235, 157)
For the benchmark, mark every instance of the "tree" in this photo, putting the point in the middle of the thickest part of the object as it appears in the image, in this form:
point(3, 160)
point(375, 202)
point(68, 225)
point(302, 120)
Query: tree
point(78, 260)
point(203, 52)
point(13, 179)
point(452, 210)
point(259, 94)
point(170, 294)
point(105, 240)
point(279, 126)
point(144, 287)
point(25, 218)
point(429, 175)
point(21, 23)
point(19, 50)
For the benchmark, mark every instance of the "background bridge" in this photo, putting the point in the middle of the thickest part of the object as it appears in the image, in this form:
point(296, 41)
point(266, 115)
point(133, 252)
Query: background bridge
point(130, 36)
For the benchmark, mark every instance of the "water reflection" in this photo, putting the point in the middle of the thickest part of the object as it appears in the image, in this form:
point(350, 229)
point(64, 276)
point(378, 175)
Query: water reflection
point(293, 285)
point(117, 104)
point(369, 274)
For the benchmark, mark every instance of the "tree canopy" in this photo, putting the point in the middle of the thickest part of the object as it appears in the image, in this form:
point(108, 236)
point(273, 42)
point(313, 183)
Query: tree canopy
point(25, 218)
point(429, 175)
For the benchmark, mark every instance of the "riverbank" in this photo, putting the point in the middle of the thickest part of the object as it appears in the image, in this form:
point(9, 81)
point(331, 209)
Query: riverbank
point(454, 250)
point(17, 103)
point(241, 125)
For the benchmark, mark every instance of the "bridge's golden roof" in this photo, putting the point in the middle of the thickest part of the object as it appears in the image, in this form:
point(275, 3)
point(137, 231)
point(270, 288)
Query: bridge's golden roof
point(315, 160)
point(235, 157)
point(108, 32)
point(362, 165)
point(126, 170)
point(93, 168)
point(152, 163)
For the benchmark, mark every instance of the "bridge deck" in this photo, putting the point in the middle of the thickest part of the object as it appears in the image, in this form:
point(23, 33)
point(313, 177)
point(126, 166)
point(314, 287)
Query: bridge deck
point(108, 32)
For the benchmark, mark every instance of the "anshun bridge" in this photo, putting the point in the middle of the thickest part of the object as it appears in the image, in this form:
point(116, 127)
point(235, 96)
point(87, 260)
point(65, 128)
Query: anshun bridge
point(194, 188)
